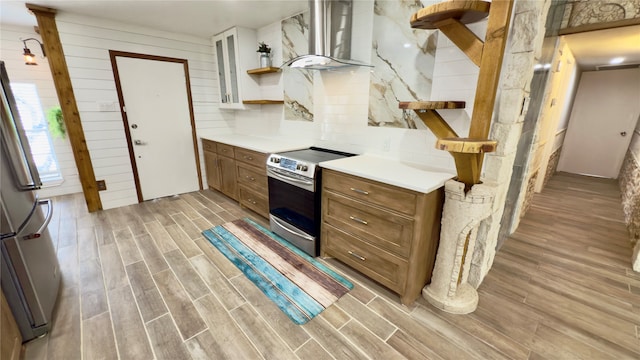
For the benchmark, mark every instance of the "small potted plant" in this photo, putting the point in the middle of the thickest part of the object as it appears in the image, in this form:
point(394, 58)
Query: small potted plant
point(56, 122)
point(265, 54)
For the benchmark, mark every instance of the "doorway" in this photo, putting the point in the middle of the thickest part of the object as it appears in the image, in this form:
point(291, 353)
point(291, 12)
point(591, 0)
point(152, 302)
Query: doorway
point(602, 123)
point(157, 111)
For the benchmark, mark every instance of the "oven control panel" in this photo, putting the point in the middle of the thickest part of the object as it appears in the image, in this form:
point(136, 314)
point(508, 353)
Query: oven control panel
point(291, 165)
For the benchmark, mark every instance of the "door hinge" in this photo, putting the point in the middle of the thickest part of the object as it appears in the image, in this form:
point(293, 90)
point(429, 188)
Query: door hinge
point(102, 185)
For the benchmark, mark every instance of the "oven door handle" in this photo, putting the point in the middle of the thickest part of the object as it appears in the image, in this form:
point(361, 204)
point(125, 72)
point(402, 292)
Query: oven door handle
point(286, 228)
point(280, 175)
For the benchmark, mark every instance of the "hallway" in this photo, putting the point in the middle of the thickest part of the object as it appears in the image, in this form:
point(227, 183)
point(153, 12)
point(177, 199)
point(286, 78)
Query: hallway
point(568, 268)
point(140, 282)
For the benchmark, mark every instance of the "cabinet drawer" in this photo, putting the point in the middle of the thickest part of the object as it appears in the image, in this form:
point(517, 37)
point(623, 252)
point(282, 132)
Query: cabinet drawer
point(381, 266)
point(252, 178)
point(376, 193)
point(224, 149)
point(254, 158)
point(254, 201)
point(390, 231)
point(208, 145)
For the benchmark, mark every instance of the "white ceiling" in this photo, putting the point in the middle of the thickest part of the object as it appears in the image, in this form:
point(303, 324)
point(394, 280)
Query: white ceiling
point(199, 18)
point(205, 18)
point(597, 48)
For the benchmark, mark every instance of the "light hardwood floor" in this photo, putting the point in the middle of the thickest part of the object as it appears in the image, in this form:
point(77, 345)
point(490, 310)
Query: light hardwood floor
point(141, 282)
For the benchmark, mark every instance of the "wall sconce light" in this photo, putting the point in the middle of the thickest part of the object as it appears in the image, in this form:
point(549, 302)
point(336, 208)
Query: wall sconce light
point(29, 57)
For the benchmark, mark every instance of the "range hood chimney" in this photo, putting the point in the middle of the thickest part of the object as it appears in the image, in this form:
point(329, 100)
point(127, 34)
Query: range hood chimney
point(329, 37)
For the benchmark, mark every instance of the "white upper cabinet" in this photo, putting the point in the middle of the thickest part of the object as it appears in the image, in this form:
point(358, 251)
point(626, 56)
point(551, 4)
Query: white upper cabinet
point(235, 53)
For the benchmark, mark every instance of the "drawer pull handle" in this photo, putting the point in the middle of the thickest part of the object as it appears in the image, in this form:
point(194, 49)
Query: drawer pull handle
point(360, 191)
point(361, 258)
point(247, 157)
point(252, 201)
point(363, 222)
point(251, 178)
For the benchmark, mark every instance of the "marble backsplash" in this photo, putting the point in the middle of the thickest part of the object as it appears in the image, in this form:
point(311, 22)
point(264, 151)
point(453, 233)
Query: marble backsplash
point(404, 60)
point(297, 83)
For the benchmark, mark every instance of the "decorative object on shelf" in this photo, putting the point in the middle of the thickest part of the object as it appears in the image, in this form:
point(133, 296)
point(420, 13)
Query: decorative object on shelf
point(265, 54)
point(29, 57)
point(56, 122)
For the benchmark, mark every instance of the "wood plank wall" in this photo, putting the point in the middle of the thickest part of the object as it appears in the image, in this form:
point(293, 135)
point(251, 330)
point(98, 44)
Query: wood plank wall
point(11, 49)
point(86, 43)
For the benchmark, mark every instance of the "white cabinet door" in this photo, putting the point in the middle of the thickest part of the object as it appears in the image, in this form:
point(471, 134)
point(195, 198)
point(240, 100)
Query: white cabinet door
point(235, 54)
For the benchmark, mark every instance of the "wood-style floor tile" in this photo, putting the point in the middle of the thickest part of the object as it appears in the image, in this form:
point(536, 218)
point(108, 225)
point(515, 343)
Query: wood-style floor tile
point(226, 334)
point(141, 282)
point(147, 295)
point(131, 338)
point(97, 340)
point(261, 334)
point(165, 339)
point(184, 313)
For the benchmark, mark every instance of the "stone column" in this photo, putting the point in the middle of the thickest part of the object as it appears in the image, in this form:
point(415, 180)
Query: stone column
point(449, 289)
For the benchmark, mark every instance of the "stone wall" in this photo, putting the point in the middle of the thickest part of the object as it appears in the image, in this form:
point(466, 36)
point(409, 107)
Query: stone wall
point(585, 12)
point(630, 189)
point(552, 165)
point(629, 180)
point(528, 196)
point(523, 48)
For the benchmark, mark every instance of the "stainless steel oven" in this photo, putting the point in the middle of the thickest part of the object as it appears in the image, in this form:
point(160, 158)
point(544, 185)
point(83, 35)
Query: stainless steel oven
point(294, 195)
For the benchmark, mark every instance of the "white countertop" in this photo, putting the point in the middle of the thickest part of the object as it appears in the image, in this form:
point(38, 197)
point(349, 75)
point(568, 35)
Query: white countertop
point(260, 144)
point(406, 175)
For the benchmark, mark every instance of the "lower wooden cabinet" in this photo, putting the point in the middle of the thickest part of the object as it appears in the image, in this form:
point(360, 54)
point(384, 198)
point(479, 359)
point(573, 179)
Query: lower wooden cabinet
point(388, 233)
point(239, 173)
point(228, 178)
point(220, 167)
point(213, 173)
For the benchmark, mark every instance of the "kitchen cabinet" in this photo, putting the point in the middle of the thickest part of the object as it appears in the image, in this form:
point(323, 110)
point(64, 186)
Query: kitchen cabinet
point(252, 180)
point(235, 54)
point(386, 232)
point(238, 173)
point(211, 164)
point(220, 168)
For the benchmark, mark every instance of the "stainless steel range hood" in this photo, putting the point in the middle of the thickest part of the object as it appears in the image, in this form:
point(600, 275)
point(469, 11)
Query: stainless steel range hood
point(329, 37)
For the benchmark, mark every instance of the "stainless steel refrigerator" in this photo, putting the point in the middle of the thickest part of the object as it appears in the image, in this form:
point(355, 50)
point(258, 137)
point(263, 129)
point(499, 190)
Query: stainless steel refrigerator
point(29, 270)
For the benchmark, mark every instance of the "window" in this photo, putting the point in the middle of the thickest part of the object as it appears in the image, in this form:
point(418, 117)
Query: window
point(36, 129)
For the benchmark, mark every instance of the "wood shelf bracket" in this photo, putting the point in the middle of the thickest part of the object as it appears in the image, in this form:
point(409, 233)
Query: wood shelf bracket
point(451, 18)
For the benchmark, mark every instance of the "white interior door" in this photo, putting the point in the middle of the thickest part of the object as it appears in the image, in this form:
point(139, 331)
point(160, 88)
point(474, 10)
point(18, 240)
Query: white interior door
point(604, 116)
point(157, 107)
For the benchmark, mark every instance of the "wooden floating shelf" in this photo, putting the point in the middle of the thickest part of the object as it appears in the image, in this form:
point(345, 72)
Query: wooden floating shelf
point(262, 102)
point(431, 105)
point(466, 12)
point(265, 70)
point(466, 145)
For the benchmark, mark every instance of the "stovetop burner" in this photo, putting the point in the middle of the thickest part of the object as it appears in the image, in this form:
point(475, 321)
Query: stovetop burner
point(303, 162)
point(315, 155)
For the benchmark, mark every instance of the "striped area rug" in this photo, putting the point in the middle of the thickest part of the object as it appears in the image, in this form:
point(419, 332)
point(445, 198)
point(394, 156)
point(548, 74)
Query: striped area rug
point(301, 286)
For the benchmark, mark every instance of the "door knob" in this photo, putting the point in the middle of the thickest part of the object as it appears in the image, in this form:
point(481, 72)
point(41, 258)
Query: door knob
point(623, 133)
point(139, 142)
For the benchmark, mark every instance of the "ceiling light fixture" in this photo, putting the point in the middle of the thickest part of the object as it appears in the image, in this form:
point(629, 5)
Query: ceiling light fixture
point(29, 57)
point(616, 61)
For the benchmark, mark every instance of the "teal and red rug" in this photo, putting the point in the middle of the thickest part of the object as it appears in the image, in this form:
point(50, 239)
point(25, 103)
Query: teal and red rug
point(299, 285)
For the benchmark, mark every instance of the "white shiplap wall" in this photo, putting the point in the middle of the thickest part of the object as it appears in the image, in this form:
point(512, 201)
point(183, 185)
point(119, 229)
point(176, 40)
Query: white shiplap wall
point(11, 49)
point(86, 43)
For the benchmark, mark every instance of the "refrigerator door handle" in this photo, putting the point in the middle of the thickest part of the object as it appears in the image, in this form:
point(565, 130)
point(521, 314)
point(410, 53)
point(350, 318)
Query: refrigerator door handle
point(15, 141)
point(47, 219)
